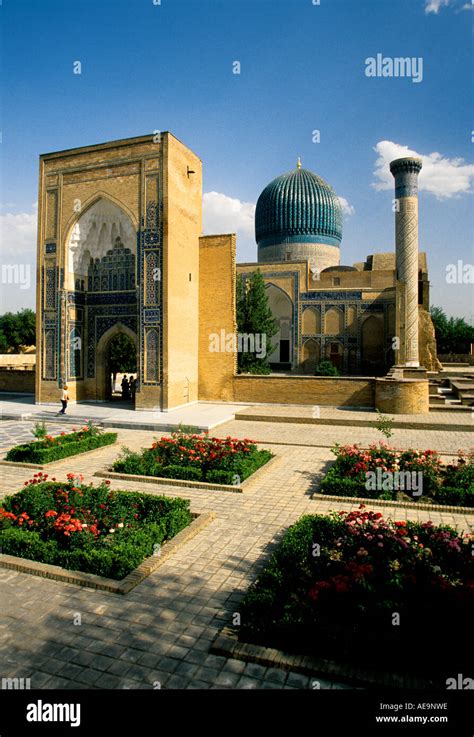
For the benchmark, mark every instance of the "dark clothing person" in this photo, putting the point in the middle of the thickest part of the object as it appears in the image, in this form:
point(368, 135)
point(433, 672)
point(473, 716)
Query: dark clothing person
point(125, 388)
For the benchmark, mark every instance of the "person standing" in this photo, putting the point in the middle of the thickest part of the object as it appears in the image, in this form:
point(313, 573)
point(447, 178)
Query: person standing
point(125, 388)
point(64, 400)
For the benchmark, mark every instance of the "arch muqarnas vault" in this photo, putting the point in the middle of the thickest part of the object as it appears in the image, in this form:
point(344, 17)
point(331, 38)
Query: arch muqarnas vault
point(118, 251)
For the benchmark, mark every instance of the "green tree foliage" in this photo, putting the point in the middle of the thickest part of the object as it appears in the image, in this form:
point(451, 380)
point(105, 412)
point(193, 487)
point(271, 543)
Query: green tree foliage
point(326, 368)
point(17, 330)
point(122, 355)
point(254, 318)
point(453, 334)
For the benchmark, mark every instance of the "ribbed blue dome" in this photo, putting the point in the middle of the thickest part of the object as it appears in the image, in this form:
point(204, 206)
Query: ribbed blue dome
point(298, 207)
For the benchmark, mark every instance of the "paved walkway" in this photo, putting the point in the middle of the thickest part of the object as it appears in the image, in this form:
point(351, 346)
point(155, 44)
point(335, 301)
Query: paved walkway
point(324, 436)
point(353, 416)
point(204, 415)
point(160, 633)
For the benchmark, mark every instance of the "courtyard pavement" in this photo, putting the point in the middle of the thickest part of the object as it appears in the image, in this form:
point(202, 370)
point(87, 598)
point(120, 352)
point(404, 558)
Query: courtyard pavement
point(160, 633)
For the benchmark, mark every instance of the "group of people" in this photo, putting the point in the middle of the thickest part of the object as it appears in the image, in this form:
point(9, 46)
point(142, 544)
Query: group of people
point(128, 387)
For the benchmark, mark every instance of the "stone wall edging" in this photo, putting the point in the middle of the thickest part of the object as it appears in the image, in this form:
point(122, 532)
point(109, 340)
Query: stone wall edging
point(226, 643)
point(162, 481)
point(393, 503)
point(91, 580)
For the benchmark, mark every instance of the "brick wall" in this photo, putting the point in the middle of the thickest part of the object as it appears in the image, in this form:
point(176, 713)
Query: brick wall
point(17, 380)
point(216, 314)
point(317, 390)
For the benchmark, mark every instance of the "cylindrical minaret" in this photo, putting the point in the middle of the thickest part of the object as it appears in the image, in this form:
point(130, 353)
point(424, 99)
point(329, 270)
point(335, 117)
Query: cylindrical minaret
point(405, 172)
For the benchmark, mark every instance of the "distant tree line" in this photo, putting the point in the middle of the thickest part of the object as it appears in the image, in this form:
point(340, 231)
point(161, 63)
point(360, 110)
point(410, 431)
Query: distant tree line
point(17, 330)
point(453, 334)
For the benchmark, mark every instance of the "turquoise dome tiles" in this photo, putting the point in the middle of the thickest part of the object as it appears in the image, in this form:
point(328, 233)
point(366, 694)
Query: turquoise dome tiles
point(298, 207)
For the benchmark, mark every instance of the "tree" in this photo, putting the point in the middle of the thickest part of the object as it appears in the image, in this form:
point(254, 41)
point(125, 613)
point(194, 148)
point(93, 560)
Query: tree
point(453, 334)
point(256, 325)
point(17, 330)
point(122, 355)
point(27, 327)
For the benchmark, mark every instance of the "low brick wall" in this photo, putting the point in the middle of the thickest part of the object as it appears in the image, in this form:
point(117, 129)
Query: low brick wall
point(326, 391)
point(17, 380)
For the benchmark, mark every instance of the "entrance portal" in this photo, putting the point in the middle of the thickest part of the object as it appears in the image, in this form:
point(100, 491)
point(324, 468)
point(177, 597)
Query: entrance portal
point(116, 368)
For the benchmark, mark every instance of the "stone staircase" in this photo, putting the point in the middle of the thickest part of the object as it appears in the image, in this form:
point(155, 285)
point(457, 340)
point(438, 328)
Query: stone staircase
point(451, 393)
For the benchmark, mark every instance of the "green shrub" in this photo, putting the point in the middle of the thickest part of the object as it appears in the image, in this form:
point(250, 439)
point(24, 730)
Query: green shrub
point(128, 525)
point(222, 477)
point(455, 496)
point(128, 462)
point(195, 458)
point(182, 472)
point(331, 586)
point(326, 368)
point(335, 485)
point(39, 452)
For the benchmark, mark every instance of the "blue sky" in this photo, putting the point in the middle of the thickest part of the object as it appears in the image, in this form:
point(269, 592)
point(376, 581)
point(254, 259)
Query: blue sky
point(169, 66)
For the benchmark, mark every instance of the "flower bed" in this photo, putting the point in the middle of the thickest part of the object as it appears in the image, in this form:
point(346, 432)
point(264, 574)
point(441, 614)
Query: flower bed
point(352, 586)
point(195, 458)
point(87, 528)
point(381, 472)
point(46, 448)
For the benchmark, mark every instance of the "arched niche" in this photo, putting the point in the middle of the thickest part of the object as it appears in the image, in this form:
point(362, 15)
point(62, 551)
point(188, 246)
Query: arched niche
point(372, 342)
point(96, 231)
point(352, 319)
point(282, 310)
point(310, 355)
point(311, 321)
point(334, 352)
point(334, 321)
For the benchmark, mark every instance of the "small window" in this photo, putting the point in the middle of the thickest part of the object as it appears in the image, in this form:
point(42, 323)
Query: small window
point(336, 281)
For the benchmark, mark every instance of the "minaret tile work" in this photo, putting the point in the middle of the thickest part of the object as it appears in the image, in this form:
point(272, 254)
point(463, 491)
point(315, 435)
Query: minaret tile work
point(405, 172)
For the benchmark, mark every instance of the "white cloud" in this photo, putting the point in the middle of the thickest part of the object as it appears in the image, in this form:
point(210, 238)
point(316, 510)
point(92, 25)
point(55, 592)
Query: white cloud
point(18, 233)
point(347, 209)
point(440, 175)
point(224, 214)
point(468, 6)
point(433, 6)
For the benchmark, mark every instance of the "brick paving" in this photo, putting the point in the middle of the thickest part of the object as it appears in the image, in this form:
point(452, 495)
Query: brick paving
point(159, 635)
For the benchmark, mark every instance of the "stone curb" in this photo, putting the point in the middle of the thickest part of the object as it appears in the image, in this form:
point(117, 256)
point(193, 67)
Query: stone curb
point(19, 464)
point(226, 643)
point(188, 483)
point(401, 425)
point(90, 580)
point(393, 503)
point(450, 453)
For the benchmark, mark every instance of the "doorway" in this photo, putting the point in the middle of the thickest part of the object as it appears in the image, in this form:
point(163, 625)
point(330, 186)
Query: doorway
point(116, 362)
point(121, 373)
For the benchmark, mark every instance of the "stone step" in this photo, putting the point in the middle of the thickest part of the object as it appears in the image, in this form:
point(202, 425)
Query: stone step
point(451, 408)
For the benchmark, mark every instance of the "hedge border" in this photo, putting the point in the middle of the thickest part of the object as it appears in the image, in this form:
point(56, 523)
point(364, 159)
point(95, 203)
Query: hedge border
point(100, 583)
point(21, 464)
point(105, 474)
point(227, 643)
point(392, 503)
